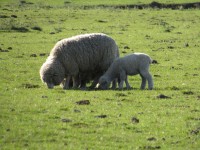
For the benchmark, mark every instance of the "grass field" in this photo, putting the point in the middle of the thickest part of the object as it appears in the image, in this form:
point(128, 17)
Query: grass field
point(34, 117)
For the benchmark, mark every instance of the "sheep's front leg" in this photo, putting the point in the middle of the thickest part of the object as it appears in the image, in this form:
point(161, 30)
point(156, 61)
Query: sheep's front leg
point(65, 83)
point(127, 84)
point(75, 80)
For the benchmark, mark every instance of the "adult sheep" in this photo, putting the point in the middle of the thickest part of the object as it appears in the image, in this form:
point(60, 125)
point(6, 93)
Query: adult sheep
point(133, 64)
point(84, 53)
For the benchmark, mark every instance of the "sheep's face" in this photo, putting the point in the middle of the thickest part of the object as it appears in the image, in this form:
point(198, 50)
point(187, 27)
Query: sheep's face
point(52, 74)
point(103, 83)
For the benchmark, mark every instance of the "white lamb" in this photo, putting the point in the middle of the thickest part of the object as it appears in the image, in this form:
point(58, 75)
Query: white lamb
point(133, 64)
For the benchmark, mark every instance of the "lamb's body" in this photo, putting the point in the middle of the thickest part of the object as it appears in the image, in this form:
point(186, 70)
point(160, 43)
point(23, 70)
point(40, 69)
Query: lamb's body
point(79, 54)
point(137, 63)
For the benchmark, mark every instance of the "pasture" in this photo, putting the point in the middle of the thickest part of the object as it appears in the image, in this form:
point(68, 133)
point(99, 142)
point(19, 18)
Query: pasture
point(34, 117)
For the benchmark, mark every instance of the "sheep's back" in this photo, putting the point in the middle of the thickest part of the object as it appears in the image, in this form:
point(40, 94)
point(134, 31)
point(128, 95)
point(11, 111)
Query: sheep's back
point(88, 51)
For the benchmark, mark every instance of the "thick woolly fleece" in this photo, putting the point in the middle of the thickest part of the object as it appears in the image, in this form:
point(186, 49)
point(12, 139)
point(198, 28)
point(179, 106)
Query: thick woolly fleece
point(87, 53)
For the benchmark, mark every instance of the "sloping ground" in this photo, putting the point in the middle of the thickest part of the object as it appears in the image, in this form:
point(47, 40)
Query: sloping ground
point(154, 5)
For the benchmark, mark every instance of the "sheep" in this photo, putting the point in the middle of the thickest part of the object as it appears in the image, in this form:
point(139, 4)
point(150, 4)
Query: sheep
point(132, 64)
point(79, 54)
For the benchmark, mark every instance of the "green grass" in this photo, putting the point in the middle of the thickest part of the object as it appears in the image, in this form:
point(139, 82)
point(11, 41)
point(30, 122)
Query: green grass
point(33, 117)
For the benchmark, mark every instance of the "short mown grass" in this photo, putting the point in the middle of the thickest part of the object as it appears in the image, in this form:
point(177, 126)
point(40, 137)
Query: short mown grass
point(33, 117)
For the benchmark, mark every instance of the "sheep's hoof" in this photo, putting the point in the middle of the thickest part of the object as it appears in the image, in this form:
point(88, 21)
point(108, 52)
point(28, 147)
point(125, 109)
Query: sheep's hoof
point(128, 88)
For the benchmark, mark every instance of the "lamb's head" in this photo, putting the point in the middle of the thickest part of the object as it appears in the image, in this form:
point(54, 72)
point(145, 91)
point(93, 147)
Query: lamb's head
point(52, 73)
point(104, 83)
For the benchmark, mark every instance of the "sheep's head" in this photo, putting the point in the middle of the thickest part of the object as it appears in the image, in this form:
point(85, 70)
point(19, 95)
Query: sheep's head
point(52, 73)
point(103, 83)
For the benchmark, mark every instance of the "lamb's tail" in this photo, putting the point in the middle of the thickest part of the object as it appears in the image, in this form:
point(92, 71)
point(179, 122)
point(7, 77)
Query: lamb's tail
point(154, 61)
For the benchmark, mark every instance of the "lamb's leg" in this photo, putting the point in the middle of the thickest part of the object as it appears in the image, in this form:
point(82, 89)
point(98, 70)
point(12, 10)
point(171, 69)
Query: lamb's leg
point(121, 84)
point(65, 82)
point(127, 84)
point(143, 84)
point(150, 82)
point(114, 84)
point(122, 79)
point(148, 77)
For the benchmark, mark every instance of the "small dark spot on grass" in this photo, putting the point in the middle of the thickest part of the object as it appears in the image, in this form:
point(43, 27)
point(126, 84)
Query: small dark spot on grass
point(37, 28)
point(156, 75)
point(13, 16)
point(101, 116)
point(52, 33)
point(152, 139)
point(44, 96)
point(175, 88)
point(102, 21)
point(167, 30)
point(33, 55)
point(64, 109)
point(195, 75)
point(80, 125)
point(151, 147)
point(170, 47)
point(162, 96)
point(186, 45)
point(4, 16)
point(20, 29)
point(188, 93)
point(8, 130)
point(83, 102)
point(67, 2)
point(195, 131)
point(4, 50)
point(66, 120)
point(10, 48)
point(30, 86)
point(126, 47)
point(120, 94)
point(43, 54)
point(135, 120)
point(195, 119)
point(77, 111)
